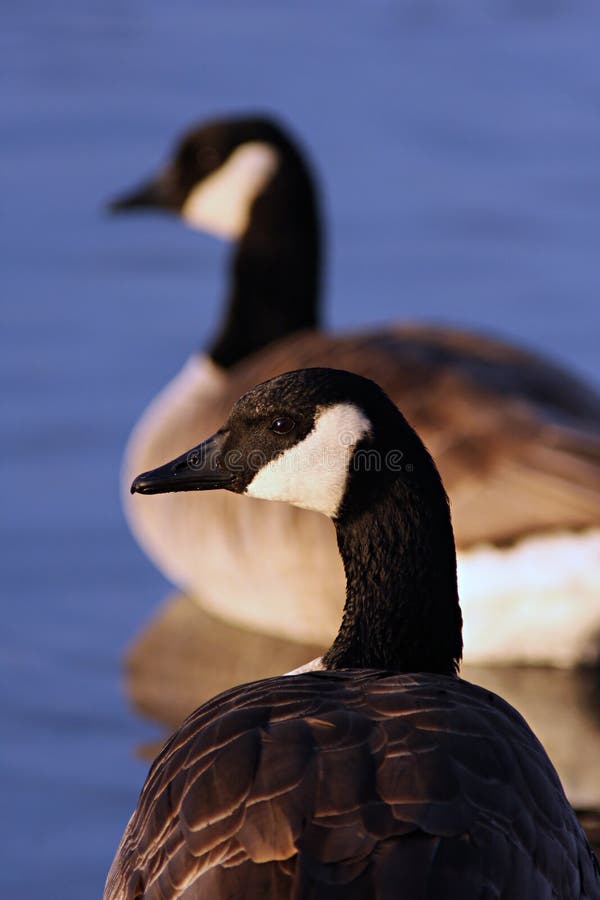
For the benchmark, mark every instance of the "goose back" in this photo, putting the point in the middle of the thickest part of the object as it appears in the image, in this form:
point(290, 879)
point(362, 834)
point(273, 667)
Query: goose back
point(301, 786)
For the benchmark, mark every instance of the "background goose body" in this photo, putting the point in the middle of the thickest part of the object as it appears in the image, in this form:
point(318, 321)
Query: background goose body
point(517, 439)
point(514, 441)
point(365, 780)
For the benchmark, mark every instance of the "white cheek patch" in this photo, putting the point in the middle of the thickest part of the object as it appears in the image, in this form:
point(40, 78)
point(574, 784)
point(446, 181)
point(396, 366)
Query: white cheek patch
point(313, 473)
point(221, 203)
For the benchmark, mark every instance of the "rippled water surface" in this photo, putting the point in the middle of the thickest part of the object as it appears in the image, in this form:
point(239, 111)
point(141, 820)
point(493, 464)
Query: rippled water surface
point(459, 149)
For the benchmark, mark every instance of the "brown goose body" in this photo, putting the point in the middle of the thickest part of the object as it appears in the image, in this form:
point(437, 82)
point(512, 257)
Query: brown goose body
point(354, 784)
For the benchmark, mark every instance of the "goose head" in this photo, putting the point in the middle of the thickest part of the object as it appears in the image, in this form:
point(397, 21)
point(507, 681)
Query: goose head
point(333, 442)
point(321, 439)
point(216, 173)
point(245, 179)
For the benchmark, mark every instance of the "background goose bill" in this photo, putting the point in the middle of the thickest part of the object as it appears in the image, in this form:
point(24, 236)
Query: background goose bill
point(199, 469)
point(155, 193)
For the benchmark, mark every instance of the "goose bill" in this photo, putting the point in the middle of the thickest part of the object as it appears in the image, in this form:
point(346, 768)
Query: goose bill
point(154, 193)
point(199, 469)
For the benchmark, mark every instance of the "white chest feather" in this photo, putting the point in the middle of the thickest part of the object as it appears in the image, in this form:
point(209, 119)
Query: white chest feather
point(221, 203)
point(315, 665)
point(313, 473)
point(535, 603)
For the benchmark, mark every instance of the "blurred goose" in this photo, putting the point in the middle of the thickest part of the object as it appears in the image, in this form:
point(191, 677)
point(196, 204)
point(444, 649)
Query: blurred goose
point(516, 437)
point(373, 772)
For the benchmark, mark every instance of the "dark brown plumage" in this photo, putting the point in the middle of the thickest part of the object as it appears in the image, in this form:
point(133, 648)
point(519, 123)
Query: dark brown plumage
point(301, 786)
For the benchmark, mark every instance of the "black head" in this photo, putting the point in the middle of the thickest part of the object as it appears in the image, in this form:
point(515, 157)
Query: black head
point(244, 151)
point(244, 179)
point(323, 439)
point(333, 442)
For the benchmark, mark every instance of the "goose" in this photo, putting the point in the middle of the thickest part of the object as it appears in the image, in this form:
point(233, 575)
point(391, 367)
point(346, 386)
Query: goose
point(516, 437)
point(375, 771)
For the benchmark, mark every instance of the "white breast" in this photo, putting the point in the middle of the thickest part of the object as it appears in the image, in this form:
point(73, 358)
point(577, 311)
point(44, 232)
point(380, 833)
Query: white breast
point(536, 603)
point(315, 665)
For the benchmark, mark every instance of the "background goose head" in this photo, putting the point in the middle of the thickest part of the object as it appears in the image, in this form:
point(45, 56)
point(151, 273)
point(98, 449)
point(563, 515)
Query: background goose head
point(245, 179)
point(333, 442)
point(216, 172)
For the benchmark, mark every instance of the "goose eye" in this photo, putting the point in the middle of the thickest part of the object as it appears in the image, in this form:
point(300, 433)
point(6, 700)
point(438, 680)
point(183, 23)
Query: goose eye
point(282, 425)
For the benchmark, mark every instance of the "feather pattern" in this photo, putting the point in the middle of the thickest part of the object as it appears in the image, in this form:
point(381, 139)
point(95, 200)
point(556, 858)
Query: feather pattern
point(301, 786)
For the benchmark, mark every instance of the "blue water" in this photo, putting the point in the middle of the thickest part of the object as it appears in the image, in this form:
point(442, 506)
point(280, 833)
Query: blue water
point(459, 149)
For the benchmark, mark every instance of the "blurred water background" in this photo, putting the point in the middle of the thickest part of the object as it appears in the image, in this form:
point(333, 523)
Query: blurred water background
point(459, 149)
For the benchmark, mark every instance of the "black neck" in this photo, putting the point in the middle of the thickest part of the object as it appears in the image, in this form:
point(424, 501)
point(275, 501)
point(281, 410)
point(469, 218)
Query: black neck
point(276, 268)
point(402, 610)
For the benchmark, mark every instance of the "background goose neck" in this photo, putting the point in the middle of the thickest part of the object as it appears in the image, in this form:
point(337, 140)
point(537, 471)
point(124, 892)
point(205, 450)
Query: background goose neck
point(276, 267)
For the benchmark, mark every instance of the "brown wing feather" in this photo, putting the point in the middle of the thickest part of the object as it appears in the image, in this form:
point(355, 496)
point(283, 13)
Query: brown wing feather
point(351, 785)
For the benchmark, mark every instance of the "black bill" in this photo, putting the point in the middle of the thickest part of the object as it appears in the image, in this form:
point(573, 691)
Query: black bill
point(200, 469)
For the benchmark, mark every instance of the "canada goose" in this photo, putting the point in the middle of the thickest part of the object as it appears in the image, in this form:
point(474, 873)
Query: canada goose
point(374, 772)
point(517, 439)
